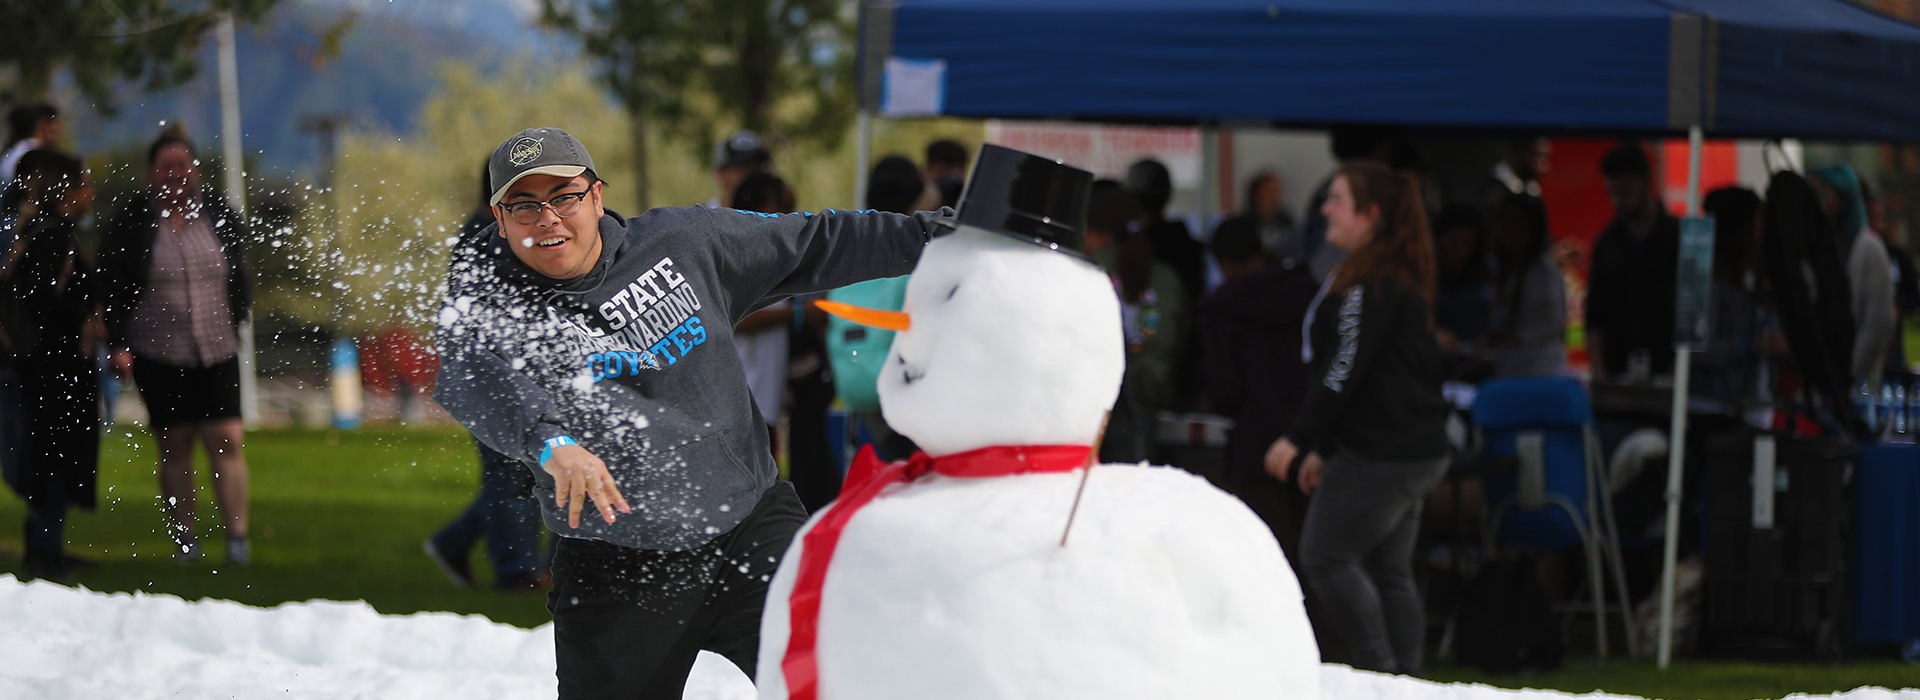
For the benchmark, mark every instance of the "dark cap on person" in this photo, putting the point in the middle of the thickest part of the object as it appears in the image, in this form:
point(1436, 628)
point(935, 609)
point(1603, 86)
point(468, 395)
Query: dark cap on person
point(1029, 198)
point(541, 151)
point(740, 150)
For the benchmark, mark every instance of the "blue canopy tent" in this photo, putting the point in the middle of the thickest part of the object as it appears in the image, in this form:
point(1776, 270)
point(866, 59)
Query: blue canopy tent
point(1754, 68)
point(1807, 68)
point(1760, 68)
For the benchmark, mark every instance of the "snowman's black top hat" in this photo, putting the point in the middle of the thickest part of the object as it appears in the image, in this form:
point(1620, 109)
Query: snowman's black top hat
point(1036, 200)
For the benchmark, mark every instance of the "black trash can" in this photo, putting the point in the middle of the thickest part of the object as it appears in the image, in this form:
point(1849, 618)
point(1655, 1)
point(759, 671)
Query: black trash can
point(1778, 545)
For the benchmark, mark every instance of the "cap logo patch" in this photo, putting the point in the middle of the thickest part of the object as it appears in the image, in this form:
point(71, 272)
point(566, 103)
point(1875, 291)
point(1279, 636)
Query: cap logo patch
point(524, 151)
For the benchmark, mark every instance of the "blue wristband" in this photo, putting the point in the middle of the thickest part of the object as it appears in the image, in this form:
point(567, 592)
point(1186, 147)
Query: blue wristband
point(546, 453)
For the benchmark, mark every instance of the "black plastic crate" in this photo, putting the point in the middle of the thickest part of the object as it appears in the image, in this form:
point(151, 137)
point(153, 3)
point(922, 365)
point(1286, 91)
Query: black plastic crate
point(1777, 584)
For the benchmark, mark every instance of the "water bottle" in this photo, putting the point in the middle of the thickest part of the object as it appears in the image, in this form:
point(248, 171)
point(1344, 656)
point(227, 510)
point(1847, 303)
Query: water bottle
point(1913, 410)
point(1863, 404)
point(1885, 409)
point(1902, 423)
point(1899, 409)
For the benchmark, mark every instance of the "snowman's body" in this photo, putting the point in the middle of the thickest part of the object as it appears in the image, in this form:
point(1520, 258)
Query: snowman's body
point(956, 587)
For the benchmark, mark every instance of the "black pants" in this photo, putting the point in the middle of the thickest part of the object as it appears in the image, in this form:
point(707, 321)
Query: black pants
point(628, 623)
point(1357, 553)
point(61, 457)
point(809, 456)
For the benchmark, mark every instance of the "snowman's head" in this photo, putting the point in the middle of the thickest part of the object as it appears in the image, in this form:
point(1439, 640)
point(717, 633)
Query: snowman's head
point(1008, 344)
point(1009, 336)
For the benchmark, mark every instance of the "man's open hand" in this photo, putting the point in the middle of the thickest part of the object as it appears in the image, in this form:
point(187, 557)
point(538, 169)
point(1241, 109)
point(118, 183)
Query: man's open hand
point(578, 476)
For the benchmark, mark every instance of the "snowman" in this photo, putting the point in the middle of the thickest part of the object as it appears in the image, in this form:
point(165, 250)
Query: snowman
point(954, 574)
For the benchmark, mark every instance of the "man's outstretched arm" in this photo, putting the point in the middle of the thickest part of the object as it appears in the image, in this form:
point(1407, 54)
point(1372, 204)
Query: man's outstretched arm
point(765, 258)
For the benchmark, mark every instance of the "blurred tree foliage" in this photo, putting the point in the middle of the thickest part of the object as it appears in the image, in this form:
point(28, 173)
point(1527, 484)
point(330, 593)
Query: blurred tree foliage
point(695, 69)
point(99, 42)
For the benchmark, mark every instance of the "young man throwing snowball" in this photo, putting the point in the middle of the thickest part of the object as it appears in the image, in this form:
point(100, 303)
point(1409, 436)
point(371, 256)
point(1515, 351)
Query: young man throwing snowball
point(600, 348)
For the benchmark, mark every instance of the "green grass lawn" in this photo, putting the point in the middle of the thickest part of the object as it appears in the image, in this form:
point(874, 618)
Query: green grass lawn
point(336, 515)
point(341, 515)
point(1704, 679)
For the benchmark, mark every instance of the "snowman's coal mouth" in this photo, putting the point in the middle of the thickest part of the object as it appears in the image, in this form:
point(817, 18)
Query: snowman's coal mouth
point(908, 374)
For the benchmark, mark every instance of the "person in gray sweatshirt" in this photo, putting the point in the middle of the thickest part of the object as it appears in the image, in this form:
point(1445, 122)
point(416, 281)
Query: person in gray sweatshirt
point(600, 348)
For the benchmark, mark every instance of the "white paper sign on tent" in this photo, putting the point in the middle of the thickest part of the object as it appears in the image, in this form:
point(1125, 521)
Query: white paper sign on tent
point(913, 87)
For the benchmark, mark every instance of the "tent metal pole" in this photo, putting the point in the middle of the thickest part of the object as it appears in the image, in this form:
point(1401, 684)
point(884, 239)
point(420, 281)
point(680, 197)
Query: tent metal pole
point(1209, 179)
point(1695, 143)
point(1677, 444)
point(233, 154)
point(863, 153)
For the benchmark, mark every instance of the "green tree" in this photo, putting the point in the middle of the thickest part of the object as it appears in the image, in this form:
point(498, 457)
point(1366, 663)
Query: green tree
point(780, 67)
point(100, 42)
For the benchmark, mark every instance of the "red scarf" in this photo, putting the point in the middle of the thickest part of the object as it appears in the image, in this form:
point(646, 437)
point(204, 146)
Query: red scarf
point(867, 477)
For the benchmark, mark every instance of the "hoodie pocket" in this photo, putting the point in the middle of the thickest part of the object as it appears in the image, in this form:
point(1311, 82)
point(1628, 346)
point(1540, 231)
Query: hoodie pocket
point(709, 462)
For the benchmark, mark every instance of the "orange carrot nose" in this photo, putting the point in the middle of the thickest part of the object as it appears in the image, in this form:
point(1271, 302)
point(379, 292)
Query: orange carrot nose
point(875, 318)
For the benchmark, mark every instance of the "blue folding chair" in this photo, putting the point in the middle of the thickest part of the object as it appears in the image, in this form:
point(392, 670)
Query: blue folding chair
point(1556, 496)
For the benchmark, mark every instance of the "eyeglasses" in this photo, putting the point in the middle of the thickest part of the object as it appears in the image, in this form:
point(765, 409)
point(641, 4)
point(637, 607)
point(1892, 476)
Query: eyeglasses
point(564, 206)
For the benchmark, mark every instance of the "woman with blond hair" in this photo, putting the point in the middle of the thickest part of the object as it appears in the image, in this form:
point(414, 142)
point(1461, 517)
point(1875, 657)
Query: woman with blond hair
point(1369, 442)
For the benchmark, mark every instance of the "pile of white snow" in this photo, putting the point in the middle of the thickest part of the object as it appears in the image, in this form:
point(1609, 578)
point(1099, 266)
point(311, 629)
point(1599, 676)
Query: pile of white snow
point(65, 644)
point(60, 643)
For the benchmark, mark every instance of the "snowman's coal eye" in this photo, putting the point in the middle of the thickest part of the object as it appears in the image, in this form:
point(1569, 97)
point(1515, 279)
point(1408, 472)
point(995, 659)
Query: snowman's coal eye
point(951, 292)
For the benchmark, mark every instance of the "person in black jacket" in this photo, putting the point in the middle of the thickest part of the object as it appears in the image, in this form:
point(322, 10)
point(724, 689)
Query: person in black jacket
point(1630, 283)
point(1369, 442)
point(1250, 334)
point(174, 265)
point(54, 284)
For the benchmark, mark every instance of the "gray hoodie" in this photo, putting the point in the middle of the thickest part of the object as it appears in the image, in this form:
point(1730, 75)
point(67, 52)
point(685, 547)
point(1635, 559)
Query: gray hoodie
point(635, 359)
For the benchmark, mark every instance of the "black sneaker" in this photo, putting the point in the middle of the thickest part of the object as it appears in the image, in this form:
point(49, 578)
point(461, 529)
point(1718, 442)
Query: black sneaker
point(239, 551)
point(74, 562)
point(52, 568)
point(455, 569)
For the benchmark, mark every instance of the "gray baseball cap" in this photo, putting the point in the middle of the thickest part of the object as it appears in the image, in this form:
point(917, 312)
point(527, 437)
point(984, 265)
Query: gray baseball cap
point(742, 149)
point(542, 151)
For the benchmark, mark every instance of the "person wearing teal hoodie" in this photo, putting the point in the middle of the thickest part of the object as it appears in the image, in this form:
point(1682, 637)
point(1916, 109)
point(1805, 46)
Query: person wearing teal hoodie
point(895, 185)
point(1869, 269)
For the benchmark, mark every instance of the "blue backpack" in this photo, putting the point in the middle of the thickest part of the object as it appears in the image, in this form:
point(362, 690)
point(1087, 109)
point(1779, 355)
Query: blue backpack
point(857, 353)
